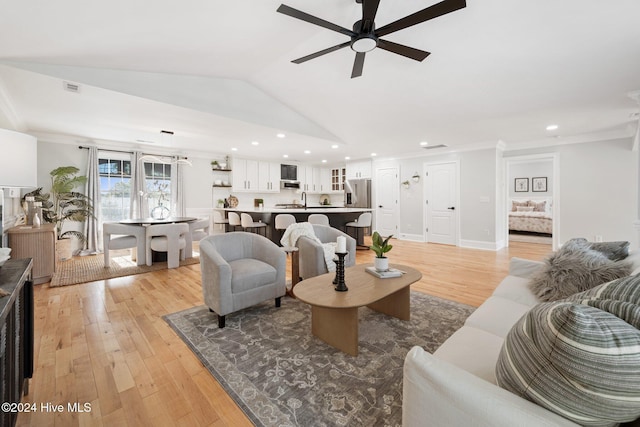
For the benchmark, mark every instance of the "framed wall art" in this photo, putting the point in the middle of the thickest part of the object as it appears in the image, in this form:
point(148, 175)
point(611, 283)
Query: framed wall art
point(539, 184)
point(521, 185)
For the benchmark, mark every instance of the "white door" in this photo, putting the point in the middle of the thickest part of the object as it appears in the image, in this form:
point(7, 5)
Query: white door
point(387, 201)
point(441, 199)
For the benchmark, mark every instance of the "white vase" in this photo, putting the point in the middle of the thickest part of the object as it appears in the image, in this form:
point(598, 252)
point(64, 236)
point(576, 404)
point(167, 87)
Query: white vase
point(381, 264)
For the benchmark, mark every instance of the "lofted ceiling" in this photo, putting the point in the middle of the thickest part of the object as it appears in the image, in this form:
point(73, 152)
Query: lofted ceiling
point(219, 75)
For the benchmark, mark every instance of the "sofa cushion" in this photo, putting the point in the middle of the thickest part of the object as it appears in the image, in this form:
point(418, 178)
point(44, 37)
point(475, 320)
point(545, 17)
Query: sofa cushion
point(497, 315)
point(473, 350)
point(248, 273)
point(516, 289)
point(615, 251)
point(575, 268)
point(575, 360)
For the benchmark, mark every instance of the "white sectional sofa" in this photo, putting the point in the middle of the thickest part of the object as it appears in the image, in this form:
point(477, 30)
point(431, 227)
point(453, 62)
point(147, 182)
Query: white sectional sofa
point(456, 385)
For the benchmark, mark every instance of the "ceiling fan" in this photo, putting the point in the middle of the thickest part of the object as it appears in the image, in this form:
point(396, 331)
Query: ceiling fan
point(366, 37)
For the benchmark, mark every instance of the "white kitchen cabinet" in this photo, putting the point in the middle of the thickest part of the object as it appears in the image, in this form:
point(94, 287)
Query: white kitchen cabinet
point(245, 175)
point(359, 169)
point(325, 180)
point(269, 177)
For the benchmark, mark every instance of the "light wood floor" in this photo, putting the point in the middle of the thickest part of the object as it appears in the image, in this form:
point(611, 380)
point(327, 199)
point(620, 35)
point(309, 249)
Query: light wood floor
point(105, 343)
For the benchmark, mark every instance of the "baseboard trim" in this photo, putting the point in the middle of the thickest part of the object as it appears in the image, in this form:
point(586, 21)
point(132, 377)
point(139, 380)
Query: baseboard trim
point(412, 237)
point(478, 244)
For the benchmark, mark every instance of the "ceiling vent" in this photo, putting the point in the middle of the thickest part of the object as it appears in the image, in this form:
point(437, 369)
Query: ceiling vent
point(71, 87)
point(431, 147)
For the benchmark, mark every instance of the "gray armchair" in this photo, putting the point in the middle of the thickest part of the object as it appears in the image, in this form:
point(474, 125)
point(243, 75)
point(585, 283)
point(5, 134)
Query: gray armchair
point(311, 254)
point(240, 270)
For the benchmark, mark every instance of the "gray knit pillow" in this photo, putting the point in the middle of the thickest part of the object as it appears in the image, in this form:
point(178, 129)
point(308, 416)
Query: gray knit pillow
point(575, 268)
point(575, 360)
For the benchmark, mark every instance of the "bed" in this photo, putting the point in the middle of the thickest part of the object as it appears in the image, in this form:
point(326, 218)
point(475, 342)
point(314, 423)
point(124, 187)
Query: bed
point(531, 215)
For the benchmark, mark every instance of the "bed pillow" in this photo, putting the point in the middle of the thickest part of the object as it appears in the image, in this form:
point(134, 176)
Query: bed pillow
point(575, 360)
point(539, 206)
point(515, 204)
point(575, 268)
point(524, 208)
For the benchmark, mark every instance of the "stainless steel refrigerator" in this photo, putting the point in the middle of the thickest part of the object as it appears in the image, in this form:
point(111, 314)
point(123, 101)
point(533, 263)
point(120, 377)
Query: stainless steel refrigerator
point(358, 193)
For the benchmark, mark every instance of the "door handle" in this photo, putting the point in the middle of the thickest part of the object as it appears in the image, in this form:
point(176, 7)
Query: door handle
point(452, 208)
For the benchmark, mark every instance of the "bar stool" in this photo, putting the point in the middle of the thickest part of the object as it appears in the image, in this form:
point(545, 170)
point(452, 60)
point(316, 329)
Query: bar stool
point(219, 219)
point(248, 224)
point(282, 221)
point(363, 221)
point(234, 220)
point(320, 219)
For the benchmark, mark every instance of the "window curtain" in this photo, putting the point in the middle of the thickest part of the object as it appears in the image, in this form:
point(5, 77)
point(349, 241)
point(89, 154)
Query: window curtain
point(139, 205)
point(177, 189)
point(93, 243)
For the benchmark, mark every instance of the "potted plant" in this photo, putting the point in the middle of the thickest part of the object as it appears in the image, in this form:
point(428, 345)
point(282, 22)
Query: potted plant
point(406, 184)
point(215, 165)
point(220, 203)
point(380, 246)
point(64, 204)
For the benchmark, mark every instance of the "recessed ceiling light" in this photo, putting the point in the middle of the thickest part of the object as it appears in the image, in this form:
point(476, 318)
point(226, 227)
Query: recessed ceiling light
point(335, 146)
point(424, 143)
point(285, 155)
point(552, 127)
point(254, 143)
point(373, 154)
point(281, 135)
point(307, 152)
point(234, 149)
point(324, 161)
point(347, 158)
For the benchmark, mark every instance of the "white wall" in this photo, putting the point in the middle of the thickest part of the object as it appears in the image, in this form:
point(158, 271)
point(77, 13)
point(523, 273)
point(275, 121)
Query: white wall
point(598, 189)
point(531, 169)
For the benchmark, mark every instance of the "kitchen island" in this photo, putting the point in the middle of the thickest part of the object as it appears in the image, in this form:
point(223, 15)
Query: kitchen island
point(338, 216)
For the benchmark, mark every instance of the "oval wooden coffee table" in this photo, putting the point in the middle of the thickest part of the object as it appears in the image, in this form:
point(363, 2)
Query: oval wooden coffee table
point(334, 315)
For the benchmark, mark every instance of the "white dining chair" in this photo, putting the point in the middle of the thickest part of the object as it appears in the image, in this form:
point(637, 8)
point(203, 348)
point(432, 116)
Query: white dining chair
point(123, 236)
point(170, 238)
point(199, 229)
point(283, 221)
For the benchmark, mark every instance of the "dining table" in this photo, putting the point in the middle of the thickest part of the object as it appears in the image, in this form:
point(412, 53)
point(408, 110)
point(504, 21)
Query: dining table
point(152, 221)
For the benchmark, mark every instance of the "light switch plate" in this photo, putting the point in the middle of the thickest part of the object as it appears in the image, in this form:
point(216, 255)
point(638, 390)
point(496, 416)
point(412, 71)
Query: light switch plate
point(14, 192)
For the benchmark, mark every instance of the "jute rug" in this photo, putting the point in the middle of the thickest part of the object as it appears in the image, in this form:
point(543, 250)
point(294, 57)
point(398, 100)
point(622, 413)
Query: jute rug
point(82, 269)
point(280, 375)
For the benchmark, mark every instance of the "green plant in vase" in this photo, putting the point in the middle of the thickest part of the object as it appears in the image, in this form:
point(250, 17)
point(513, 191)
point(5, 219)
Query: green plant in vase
point(380, 246)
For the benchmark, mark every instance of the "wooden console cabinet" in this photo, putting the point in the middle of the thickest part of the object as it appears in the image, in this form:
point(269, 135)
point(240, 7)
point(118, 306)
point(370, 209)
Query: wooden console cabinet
point(16, 336)
point(37, 243)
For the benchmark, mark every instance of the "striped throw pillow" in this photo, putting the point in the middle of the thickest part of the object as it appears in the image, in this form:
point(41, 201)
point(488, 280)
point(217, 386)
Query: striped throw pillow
point(578, 361)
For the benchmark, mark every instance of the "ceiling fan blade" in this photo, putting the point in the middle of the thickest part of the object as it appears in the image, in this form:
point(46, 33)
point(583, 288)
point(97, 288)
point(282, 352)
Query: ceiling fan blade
point(320, 53)
point(400, 49)
point(357, 65)
point(434, 11)
point(295, 13)
point(369, 10)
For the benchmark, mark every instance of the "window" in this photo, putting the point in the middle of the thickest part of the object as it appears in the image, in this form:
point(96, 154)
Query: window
point(115, 188)
point(158, 188)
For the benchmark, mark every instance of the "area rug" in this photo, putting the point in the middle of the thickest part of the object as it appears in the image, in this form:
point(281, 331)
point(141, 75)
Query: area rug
point(82, 269)
point(281, 375)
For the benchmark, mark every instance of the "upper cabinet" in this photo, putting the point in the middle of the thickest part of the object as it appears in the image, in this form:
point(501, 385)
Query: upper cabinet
point(245, 175)
point(269, 177)
point(314, 179)
point(255, 176)
point(359, 169)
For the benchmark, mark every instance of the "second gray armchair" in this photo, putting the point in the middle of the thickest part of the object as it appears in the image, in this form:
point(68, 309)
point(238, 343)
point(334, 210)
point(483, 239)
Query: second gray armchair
point(240, 270)
point(311, 253)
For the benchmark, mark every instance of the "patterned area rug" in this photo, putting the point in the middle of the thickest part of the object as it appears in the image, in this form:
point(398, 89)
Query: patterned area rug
point(280, 375)
point(82, 269)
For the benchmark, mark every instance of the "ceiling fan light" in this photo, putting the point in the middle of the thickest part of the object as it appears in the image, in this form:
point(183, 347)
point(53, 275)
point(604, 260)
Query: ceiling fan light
point(364, 44)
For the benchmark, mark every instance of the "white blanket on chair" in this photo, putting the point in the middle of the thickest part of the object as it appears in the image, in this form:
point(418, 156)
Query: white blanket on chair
point(300, 229)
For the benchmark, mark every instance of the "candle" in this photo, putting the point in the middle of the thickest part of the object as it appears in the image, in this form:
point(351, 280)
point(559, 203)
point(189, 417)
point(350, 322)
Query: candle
point(341, 244)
